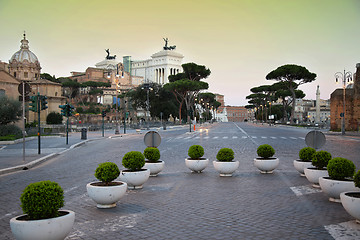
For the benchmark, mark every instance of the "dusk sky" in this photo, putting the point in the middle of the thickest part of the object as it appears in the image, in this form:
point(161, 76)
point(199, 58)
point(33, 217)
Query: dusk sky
point(241, 41)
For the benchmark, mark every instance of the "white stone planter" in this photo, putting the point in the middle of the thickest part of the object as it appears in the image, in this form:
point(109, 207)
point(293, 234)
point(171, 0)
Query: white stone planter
point(266, 165)
point(106, 196)
point(300, 166)
point(226, 169)
point(136, 179)
point(351, 204)
point(196, 165)
point(333, 188)
point(154, 168)
point(53, 228)
point(313, 175)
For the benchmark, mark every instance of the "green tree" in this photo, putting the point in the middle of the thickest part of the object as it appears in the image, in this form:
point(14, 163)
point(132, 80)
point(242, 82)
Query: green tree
point(160, 100)
point(48, 77)
point(54, 118)
point(73, 87)
point(186, 85)
point(285, 95)
point(289, 74)
point(10, 110)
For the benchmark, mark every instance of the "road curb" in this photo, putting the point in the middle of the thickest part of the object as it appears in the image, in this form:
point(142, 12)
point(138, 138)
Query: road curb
point(27, 165)
point(47, 157)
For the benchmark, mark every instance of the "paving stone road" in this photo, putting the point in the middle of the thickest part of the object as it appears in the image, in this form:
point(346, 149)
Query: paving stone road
point(179, 204)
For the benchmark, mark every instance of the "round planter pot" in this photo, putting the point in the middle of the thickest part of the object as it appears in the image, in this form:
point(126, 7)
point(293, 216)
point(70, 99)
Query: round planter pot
point(333, 188)
point(52, 228)
point(351, 203)
point(135, 179)
point(300, 166)
point(196, 165)
point(266, 165)
point(226, 169)
point(154, 168)
point(313, 175)
point(106, 196)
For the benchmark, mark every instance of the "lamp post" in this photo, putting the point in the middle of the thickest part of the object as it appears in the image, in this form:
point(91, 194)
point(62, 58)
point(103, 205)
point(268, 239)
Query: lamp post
point(148, 88)
point(346, 78)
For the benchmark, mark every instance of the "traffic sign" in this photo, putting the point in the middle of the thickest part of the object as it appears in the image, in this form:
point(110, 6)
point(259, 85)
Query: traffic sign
point(26, 86)
point(152, 139)
point(315, 139)
point(27, 98)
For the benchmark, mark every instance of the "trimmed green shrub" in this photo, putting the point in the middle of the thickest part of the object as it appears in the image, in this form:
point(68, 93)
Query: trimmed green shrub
point(6, 130)
point(340, 168)
point(225, 155)
point(54, 118)
point(107, 172)
point(357, 179)
point(196, 152)
point(133, 160)
point(320, 159)
point(265, 151)
point(42, 200)
point(306, 154)
point(152, 154)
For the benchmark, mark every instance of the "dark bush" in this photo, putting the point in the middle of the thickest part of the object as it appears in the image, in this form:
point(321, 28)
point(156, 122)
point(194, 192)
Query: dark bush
point(196, 152)
point(265, 151)
point(340, 168)
point(42, 200)
point(79, 110)
point(14, 130)
point(107, 172)
point(306, 154)
point(54, 118)
point(152, 154)
point(133, 160)
point(357, 179)
point(320, 159)
point(225, 155)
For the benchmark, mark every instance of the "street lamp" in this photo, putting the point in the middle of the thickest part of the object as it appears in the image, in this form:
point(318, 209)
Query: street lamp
point(148, 88)
point(346, 78)
point(116, 80)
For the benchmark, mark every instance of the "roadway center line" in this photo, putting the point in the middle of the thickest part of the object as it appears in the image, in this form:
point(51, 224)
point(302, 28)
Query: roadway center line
point(242, 130)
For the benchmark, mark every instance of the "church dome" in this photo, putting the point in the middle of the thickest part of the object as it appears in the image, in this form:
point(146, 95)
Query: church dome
point(24, 54)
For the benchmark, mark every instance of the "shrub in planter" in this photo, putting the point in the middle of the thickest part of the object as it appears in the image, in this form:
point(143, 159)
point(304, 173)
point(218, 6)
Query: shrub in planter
point(152, 154)
point(306, 154)
point(265, 151)
point(320, 159)
point(196, 163)
point(357, 179)
point(340, 168)
point(133, 160)
point(196, 152)
point(42, 200)
point(225, 155)
point(107, 172)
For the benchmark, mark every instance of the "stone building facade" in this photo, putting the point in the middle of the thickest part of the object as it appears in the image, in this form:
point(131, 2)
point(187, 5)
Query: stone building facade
point(25, 66)
point(237, 113)
point(8, 83)
point(352, 106)
point(157, 69)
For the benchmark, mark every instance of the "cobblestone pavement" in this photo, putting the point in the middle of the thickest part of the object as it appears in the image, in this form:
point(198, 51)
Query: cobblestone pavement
point(179, 204)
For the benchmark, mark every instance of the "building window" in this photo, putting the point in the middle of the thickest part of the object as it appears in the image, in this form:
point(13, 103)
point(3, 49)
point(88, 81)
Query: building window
point(14, 74)
point(26, 75)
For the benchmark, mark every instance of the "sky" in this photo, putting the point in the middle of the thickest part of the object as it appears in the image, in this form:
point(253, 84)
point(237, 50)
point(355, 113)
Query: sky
point(240, 41)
